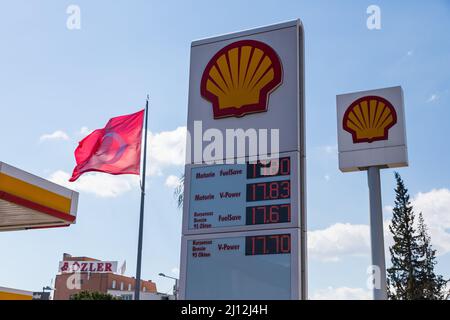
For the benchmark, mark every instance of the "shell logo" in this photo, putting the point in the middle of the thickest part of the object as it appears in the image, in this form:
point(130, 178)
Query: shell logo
point(240, 77)
point(369, 119)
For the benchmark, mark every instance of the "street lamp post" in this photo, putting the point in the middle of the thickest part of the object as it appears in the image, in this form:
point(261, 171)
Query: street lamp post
point(47, 288)
point(175, 287)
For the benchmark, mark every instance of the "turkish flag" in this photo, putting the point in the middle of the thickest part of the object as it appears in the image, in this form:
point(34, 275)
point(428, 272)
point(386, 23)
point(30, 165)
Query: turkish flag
point(115, 149)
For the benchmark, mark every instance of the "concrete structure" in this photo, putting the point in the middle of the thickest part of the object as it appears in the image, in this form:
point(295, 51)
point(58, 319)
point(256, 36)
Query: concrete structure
point(15, 294)
point(67, 284)
point(30, 202)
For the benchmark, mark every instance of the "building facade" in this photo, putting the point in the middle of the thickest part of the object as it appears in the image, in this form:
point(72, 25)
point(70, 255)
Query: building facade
point(69, 283)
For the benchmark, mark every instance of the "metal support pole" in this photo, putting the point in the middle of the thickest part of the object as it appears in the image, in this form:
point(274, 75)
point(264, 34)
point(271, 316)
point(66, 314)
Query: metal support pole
point(137, 286)
point(175, 290)
point(376, 234)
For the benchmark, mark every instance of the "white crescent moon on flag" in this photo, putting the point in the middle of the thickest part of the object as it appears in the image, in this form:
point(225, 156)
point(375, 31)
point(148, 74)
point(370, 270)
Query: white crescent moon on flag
point(107, 141)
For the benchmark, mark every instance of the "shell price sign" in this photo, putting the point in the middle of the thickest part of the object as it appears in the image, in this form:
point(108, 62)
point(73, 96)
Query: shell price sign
point(371, 129)
point(244, 226)
point(250, 196)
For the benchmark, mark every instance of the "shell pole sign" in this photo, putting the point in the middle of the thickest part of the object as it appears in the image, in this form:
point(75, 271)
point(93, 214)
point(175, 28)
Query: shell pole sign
point(240, 77)
point(244, 216)
point(371, 129)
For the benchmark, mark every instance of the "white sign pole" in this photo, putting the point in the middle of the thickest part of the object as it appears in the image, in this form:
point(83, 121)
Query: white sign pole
point(372, 135)
point(376, 234)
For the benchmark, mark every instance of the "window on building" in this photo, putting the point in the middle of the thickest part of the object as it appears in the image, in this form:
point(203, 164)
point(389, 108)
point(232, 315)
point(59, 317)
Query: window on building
point(121, 286)
point(129, 287)
point(114, 284)
point(145, 289)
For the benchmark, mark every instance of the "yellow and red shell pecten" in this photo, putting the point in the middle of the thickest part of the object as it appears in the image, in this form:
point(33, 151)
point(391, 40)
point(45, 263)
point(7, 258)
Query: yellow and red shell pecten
point(240, 77)
point(369, 119)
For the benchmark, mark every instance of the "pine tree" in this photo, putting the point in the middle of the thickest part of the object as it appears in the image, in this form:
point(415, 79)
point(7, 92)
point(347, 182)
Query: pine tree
point(413, 258)
point(403, 276)
point(433, 286)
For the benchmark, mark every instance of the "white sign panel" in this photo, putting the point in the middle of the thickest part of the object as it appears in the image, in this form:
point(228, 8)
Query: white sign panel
point(88, 266)
point(371, 129)
point(247, 80)
point(244, 230)
point(241, 265)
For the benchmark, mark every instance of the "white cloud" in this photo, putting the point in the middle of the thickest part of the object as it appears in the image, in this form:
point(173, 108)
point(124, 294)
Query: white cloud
point(345, 239)
point(410, 52)
point(57, 135)
point(342, 293)
point(165, 149)
point(388, 209)
point(435, 207)
point(172, 181)
point(327, 177)
point(329, 149)
point(175, 271)
point(100, 184)
point(433, 98)
point(338, 240)
point(84, 131)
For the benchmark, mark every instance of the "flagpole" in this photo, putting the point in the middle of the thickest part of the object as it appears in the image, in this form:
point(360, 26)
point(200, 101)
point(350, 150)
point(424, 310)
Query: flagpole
point(137, 287)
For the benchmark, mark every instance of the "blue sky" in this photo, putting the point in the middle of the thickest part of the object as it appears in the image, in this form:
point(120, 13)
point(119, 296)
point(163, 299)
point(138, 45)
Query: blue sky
point(55, 79)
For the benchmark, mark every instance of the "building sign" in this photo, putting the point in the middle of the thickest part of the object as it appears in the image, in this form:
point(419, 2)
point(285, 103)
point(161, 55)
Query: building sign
point(244, 212)
point(371, 129)
point(88, 266)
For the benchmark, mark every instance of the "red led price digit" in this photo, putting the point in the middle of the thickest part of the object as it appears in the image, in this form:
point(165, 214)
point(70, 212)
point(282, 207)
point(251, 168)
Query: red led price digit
point(285, 166)
point(274, 190)
point(286, 189)
point(254, 169)
point(255, 211)
point(274, 214)
point(253, 245)
point(254, 215)
point(285, 246)
point(264, 190)
point(274, 167)
point(277, 243)
point(264, 243)
point(288, 208)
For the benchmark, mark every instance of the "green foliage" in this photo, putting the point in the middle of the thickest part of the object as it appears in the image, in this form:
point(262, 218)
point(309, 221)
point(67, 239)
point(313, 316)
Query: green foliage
point(179, 192)
point(94, 295)
point(411, 276)
point(433, 286)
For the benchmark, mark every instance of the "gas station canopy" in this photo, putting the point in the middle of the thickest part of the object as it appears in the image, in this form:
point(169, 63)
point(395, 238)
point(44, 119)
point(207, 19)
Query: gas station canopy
point(30, 202)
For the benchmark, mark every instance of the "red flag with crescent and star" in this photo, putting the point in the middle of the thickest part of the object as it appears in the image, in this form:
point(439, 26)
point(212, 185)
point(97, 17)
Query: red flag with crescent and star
point(115, 149)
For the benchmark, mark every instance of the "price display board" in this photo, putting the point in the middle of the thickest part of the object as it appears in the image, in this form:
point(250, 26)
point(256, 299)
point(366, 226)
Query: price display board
point(244, 221)
point(244, 265)
point(252, 196)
